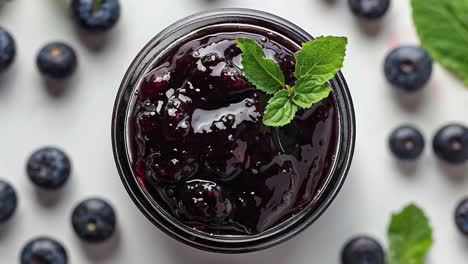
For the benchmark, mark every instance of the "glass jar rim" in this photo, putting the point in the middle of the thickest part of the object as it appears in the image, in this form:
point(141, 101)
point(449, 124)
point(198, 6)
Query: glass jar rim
point(151, 210)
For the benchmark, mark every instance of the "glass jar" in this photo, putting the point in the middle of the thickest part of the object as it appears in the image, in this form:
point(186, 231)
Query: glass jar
point(155, 213)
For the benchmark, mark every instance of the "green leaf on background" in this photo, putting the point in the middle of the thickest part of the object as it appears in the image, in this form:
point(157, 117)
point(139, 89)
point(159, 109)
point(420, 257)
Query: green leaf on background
point(264, 73)
point(410, 236)
point(280, 110)
point(322, 57)
point(308, 91)
point(442, 26)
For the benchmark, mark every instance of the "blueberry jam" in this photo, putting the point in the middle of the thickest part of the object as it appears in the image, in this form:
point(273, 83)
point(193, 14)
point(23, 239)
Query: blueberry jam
point(199, 147)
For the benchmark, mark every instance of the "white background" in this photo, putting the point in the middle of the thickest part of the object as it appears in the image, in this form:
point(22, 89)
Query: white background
point(79, 122)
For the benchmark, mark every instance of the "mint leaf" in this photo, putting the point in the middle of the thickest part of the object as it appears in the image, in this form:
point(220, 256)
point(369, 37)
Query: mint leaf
point(280, 110)
point(442, 26)
point(308, 91)
point(322, 57)
point(410, 236)
point(264, 73)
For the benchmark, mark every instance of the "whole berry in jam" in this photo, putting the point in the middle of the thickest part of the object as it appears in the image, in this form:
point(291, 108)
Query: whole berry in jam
point(226, 161)
point(43, 250)
point(461, 216)
point(176, 117)
point(8, 201)
point(154, 85)
point(49, 168)
point(363, 250)
point(170, 165)
point(406, 143)
point(450, 143)
point(408, 68)
point(57, 60)
point(148, 125)
point(96, 15)
point(7, 49)
point(203, 201)
point(94, 220)
point(369, 9)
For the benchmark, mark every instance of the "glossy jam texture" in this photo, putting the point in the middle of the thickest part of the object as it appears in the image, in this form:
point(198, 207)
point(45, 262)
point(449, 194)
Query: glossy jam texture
point(201, 151)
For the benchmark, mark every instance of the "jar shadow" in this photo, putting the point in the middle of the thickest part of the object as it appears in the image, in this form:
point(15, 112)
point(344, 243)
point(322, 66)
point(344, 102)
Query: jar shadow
point(185, 254)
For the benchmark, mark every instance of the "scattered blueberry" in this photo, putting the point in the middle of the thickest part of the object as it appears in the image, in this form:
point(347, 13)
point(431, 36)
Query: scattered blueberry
point(451, 143)
point(57, 60)
point(408, 68)
point(8, 201)
point(363, 250)
point(7, 49)
point(406, 143)
point(49, 168)
point(43, 250)
point(369, 9)
point(461, 216)
point(96, 15)
point(94, 220)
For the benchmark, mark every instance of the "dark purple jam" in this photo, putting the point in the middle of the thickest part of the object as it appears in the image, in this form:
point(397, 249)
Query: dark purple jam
point(200, 148)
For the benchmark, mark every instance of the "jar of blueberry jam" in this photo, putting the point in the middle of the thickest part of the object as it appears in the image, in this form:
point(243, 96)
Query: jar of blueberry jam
point(191, 147)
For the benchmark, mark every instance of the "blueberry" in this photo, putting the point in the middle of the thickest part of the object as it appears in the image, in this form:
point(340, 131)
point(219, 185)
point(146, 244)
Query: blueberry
point(450, 143)
point(96, 15)
point(8, 201)
point(94, 220)
point(369, 9)
point(49, 168)
point(7, 49)
point(203, 201)
point(177, 117)
point(363, 250)
point(174, 164)
point(406, 143)
point(57, 60)
point(45, 251)
point(408, 68)
point(461, 216)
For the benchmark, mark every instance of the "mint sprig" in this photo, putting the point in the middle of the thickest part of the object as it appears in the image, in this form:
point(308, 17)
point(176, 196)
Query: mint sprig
point(409, 235)
point(264, 73)
point(442, 26)
point(316, 63)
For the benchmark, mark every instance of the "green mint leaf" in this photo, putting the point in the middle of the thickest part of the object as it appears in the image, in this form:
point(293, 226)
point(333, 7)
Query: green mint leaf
point(442, 26)
point(264, 73)
point(280, 110)
point(322, 57)
point(308, 91)
point(410, 236)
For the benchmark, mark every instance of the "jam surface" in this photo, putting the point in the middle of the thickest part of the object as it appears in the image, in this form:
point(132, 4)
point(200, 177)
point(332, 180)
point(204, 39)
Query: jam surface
point(201, 151)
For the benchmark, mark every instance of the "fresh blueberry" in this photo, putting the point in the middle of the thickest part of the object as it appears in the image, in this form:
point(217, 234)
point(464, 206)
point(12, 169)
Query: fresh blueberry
point(57, 60)
point(363, 250)
point(49, 168)
point(96, 15)
point(45, 251)
point(94, 220)
point(7, 49)
point(451, 143)
point(406, 143)
point(461, 216)
point(8, 201)
point(369, 9)
point(408, 68)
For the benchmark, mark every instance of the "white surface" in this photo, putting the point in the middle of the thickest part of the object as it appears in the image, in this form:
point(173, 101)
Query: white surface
point(79, 122)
